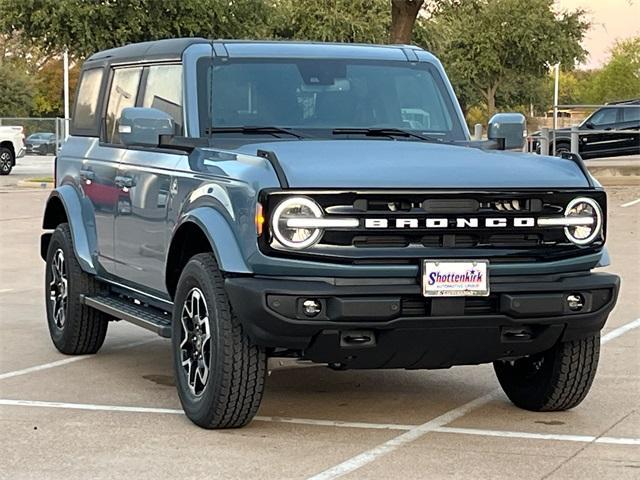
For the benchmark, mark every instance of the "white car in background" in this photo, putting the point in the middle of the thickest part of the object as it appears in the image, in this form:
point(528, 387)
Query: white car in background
point(11, 147)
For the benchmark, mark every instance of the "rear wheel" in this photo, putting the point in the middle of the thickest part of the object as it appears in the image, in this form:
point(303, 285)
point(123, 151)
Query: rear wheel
point(75, 329)
point(6, 161)
point(220, 375)
point(555, 380)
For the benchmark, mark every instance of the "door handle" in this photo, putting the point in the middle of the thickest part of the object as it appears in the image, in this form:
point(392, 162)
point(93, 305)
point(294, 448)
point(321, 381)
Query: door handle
point(87, 175)
point(125, 182)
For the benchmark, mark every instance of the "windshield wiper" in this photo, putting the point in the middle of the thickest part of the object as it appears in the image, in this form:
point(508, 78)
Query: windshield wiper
point(385, 132)
point(253, 129)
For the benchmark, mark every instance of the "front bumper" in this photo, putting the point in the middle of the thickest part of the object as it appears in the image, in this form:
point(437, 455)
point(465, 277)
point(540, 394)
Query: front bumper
point(21, 153)
point(386, 323)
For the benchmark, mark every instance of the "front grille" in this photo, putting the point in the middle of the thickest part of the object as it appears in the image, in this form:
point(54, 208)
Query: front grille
point(406, 232)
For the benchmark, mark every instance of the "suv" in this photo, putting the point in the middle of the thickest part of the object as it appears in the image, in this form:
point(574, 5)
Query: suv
point(607, 132)
point(41, 143)
point(321, 202)
point(11, 147)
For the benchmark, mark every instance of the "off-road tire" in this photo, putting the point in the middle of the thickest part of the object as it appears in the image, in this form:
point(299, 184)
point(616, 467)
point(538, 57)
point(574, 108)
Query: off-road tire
point(7, 161)
point(561, 147)
point(84, 328)
point(237, 369)
point(561, 381)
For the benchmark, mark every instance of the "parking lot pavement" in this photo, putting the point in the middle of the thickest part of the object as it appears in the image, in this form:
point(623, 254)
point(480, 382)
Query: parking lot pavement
point(29, 166)
point(117, 414)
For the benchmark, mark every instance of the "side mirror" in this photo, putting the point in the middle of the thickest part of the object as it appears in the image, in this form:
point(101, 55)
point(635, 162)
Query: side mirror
point(590, 125)
point(508, 129)
point(143, 126)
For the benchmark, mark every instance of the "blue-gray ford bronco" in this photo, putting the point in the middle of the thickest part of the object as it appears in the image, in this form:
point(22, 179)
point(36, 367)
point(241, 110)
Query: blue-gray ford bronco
point(322, 202)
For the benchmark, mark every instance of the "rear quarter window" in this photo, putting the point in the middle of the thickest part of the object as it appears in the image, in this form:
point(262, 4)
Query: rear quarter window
point(85, 114)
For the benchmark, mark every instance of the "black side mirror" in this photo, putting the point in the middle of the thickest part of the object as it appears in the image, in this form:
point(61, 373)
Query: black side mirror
point(589, 125)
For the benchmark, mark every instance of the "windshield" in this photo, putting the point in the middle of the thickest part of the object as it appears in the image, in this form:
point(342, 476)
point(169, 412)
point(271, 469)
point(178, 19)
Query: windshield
point(320, 96)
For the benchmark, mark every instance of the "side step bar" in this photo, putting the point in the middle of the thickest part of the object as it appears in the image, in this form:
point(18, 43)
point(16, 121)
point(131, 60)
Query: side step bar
point(146, 317)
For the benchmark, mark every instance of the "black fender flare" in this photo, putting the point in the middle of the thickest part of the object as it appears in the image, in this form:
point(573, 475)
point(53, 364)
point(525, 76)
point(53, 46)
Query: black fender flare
point(65, 204)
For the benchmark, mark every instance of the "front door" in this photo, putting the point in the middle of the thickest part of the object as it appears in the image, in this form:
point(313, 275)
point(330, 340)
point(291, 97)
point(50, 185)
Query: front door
point(142, 219)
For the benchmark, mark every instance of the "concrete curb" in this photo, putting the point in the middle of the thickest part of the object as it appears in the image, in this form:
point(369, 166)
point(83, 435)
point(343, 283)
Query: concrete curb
point(38, 185)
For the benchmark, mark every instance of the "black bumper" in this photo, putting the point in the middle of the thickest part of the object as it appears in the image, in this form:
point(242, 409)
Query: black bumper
point(386, 323)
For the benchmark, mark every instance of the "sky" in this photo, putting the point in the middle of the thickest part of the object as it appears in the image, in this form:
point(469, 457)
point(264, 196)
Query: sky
point(611, 20)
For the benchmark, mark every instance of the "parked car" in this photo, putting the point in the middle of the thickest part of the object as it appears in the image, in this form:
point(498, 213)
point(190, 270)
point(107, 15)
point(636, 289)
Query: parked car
point(321, 202)
point(11, 147)
point(41, 144)
point(619, 118)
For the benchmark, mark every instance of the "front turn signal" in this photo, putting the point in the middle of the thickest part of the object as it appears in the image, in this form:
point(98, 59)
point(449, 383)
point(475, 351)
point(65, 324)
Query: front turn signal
point(259, 218)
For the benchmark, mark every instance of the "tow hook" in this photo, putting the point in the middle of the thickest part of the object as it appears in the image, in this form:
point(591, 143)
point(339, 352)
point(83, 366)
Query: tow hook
point(357, 338)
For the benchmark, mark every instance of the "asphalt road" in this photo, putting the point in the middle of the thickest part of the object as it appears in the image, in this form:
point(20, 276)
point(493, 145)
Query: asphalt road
point(116, 414)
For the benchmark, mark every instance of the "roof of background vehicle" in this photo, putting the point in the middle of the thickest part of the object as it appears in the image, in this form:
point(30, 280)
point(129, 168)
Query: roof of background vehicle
point(172, 49)
point(634, 101)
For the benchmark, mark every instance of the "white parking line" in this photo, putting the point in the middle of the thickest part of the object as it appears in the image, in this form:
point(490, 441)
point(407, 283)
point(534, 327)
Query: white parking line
point(338, 424)
point(65, 361)
point(6, 290)
point(628, 204)
point(437, 423)
point(615, 333)
point(391, 445)
point(540, 436)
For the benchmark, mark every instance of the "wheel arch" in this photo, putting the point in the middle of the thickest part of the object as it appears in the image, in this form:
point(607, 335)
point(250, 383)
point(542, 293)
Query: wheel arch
point(201, 230)
point(64, 205)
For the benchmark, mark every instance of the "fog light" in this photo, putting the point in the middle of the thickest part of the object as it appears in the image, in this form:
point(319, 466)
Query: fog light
point(575, 301)
point(311, 307)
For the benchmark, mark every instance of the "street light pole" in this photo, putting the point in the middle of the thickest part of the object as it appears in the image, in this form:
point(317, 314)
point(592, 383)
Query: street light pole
point(65, 60)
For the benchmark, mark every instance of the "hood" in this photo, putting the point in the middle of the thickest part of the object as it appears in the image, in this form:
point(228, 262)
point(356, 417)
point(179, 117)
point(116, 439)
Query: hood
point(408, 164)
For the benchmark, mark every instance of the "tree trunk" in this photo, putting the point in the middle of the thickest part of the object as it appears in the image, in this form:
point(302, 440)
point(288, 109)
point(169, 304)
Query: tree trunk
point(403, 18)
point(489, 95)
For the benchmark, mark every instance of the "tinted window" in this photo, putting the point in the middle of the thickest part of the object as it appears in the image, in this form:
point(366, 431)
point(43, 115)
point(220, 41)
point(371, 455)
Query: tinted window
point(164, 91)
point(631, 114)
point(122, 94)
point(328, 94)
point(605, 116)
point(84, 116)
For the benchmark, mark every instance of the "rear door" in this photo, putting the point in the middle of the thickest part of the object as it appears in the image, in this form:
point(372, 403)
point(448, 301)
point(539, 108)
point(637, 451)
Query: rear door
point(631, 127)
point(147, 188)
point(603, 143)
point(93, 166)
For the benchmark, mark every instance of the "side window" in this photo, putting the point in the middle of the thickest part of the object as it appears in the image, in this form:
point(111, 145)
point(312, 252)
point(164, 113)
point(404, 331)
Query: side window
point(85, 112)
point(605, 116)
point(631, 114)
point(122, 94)
point(163, 91)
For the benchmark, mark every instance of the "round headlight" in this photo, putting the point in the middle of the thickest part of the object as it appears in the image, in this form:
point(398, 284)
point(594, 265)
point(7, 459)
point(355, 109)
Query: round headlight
point(294, 237)
point(583, 208)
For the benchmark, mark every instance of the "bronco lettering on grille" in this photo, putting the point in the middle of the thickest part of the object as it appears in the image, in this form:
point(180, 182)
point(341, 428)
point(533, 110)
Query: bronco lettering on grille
point(462, 222)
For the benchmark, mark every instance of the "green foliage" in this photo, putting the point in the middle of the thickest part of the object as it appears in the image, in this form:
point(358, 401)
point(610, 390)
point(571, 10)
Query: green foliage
point(619, 79)
point(15, 91)
point(85, 27)
point(492, 45)
point(363, 21)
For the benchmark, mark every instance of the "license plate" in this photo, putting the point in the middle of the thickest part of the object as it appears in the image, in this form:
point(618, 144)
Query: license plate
point(455, 278)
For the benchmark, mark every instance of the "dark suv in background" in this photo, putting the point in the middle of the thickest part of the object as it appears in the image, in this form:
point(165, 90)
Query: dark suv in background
point(42, 143)
point(621, 118)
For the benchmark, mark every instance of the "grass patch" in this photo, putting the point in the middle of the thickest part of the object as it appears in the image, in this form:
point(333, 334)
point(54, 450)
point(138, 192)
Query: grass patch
point(41, 180)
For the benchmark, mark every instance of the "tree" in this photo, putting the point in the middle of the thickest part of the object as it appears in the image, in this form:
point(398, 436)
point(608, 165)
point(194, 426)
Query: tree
point(403, 18)
point(365, 21)
point(85, 27)
point(619, 79)
point(15, 91)
point(491, 43)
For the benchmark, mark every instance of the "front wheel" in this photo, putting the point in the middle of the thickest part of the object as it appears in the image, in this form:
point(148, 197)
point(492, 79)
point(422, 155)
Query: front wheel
point(220, 375)
point(6, 161)
point(555, 380)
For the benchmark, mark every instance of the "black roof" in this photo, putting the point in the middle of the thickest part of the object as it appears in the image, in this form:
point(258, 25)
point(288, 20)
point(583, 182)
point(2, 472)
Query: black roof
point(169, 49)
point(173, 49)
